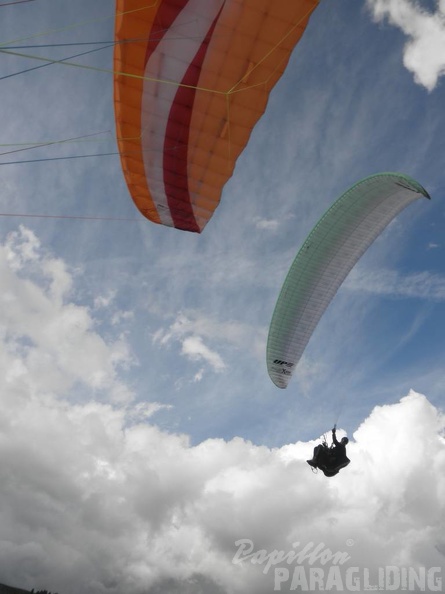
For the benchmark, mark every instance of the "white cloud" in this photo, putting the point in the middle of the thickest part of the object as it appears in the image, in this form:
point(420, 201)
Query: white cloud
point(419, 285)
point(104, 300)
point(96, 499)
point(93, 504)
point(197, 323)
point(199, 375)
point(144, 410)
point(424, 53)
point(192, 328)
point(49, 341)
point(184, 331)
point(267, 224)
point(194, 348)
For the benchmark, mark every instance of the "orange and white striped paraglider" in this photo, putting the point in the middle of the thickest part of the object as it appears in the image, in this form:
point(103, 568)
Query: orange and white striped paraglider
point(192, 78)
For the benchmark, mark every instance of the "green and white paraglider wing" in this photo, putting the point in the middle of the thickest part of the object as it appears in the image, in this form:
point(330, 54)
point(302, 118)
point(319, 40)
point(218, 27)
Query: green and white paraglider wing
point(330, 251)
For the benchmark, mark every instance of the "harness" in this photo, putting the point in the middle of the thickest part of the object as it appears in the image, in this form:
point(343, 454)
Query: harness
point(326, 468)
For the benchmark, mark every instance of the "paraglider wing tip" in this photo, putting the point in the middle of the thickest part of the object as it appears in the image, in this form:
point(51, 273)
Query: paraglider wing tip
point(410, 184)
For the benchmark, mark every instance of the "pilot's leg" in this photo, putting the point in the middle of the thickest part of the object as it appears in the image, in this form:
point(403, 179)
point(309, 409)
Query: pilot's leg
point(315, 456)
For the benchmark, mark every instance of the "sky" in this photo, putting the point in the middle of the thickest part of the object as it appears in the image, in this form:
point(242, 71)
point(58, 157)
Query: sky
point(143, 447)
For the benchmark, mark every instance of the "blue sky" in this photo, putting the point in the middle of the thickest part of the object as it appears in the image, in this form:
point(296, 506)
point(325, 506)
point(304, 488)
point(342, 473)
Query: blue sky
point(138, 413)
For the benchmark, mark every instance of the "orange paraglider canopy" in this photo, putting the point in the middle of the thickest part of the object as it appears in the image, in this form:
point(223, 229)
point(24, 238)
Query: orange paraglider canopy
point(192, 77)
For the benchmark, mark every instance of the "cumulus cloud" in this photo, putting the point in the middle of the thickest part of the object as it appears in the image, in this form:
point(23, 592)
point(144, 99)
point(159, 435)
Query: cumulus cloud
point(424, 52)
point(92, 503)
point(96, 498)
point(50, 342)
